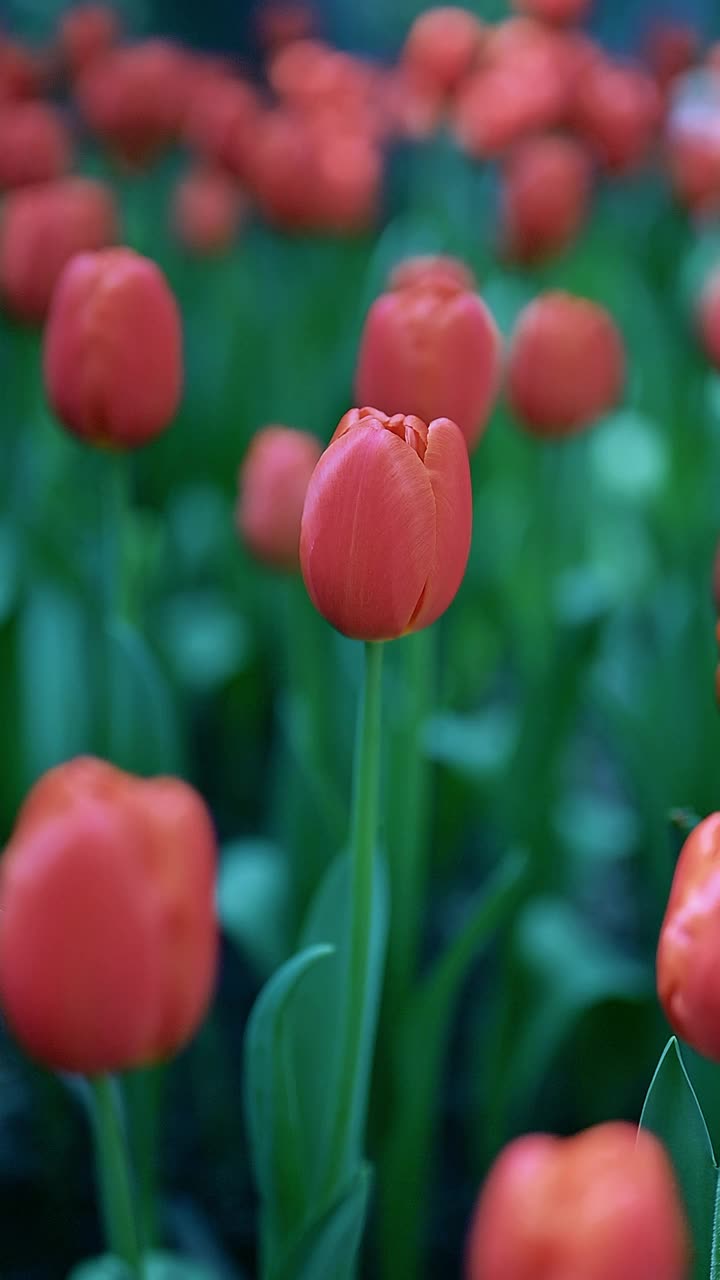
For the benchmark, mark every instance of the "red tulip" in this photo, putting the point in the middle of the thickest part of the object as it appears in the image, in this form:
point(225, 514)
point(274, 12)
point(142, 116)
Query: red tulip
point(671, 49)
point(430, 269)
point(108, 936)
point(566, 364)
point(42, 227)
point(618, 111)
point(21, 71)
point(443, 45)
point(113, 349)
point(281, 22)
point(688, 957)
point(431, 347)
point(545, 195)
point(560, 11)
point(708, 318)
point(693, 141)
point(35, 144)
point(207, 210)
point(135, 96)
point(220, 120)
point(603, 1205)
point(386, 525)
point(87, 32)
point(273, 481)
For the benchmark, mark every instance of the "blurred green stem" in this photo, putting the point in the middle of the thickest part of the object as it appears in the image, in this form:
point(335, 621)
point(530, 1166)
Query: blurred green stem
point(142, 1094)
point(115, 505)
point(113, 1174)
point(364, 826)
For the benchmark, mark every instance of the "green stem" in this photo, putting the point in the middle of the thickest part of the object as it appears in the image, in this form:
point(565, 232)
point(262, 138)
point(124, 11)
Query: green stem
point(114, 498)
point(142, 1093)
point(364, 826)
point(113, 1172)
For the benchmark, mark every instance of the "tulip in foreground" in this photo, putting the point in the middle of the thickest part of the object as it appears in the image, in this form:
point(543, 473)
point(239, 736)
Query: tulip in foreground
point(273, 482)
point(688, 957)
point(386, 525)
point(113, 349)
point(602, 1205)
point(430, 347)
point(566, 364)
point(108, 936)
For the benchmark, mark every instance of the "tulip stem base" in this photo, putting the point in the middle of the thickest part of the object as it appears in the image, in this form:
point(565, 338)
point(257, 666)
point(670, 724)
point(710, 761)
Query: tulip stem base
point(114, 1177)
point(364, 825)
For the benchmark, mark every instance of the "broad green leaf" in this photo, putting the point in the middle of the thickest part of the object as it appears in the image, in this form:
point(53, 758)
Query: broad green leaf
point(672, 1112)
point(330, 1250)
point(417, 1066)
point(145, 733)
point(274, 1109)
point(253, 900)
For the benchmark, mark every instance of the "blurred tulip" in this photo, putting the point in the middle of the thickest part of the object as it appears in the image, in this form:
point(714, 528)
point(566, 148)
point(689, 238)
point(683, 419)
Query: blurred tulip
point(108, 936)
point(693, 141)
point(134, 98)
point(429, 345)
point(207, 209)
point(272, 482)
point(414, 106)
point(560, 11)
point(671, 49)
point(603, 1205)
point(708, 318)
point(430, 269)
point(546, 184)
point(113, 349)
point(443, 46)
point(386, 525)
point(87, 32)
point(35, 144)
point(41, 228)
point(220, 120)
point(618, 111)
point(688, 957)
point(280, 22)
point(21, 71)
point(566, 364)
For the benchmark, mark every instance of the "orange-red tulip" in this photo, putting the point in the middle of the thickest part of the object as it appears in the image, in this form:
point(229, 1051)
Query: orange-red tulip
point(386, 525)
point(113, 349)
point(566, 364)
point(272, 482)
point(207, 209)
point(546, 185)
point(220, 120)
point(603, 1205)
point(429, 269)
point(35, 144)
point(708, 318)
point(560, 11)
point(108, 935)
point(431, 347)
point(618, 110)
point(688, 957)
point(443, 45)
point(41, 228)
point(86, 33)
point(134, 98)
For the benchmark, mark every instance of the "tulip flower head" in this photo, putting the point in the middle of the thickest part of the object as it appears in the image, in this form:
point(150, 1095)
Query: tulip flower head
point(546, 189)
point(566, 364)
point(206, 211)
point(35, 144)
point(443, 45)
point(113, 349)
point(108, 935)
point(273, 482)
point(386, 525)
point(430, 347)
point(87, 31)
point(618, 111)
point(708, 318)
point(602, 1205)
point(688, 957)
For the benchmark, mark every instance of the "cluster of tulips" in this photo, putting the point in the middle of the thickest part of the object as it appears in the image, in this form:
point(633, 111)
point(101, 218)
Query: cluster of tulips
point(108, 928)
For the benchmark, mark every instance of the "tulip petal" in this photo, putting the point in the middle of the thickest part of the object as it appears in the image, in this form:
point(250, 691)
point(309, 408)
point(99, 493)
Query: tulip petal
point(448, 469)
point(368, 533)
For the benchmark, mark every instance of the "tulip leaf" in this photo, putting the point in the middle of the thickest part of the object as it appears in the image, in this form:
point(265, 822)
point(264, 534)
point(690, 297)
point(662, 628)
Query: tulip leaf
point(53, 683)
point(253, 901)
point(417, 1065)
point(158, 1266)
point(108, 1267)
point(330, 1250)
point(672, 1112)
point(273, 1103)
point(144, 724)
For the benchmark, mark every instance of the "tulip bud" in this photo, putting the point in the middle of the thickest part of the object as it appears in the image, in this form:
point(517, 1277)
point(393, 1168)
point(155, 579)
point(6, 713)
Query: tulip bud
point(386, 525)
point(443, 45)
point(603, 1205)
point(432, 269)
point(566, 364)
point(618, 110)
point(41, 228)
point(134, 97)
point(560, 11)
point(35, 144)
point(113, 349)
point(546, 189)
point(432, 348)
point(206, 211)
point(708, 318)
point(108, 935)
point(86, 33)
point(688, 957)
point(273, 481)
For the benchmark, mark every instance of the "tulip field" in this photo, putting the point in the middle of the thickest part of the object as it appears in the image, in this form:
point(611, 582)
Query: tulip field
point(359, 648)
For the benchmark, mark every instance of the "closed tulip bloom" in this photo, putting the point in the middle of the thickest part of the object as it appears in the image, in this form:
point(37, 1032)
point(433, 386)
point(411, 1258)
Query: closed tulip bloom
point(429, 269)
point(206, 211)
point(134, 98)
point(272, 484)
point(41, 228)
point(566, 364)
point(546, 186)
point(386, 525)
point(86, 33)
point(431, 347)
point(108, 935)
point(443, 45)
point(688, 956)
point(708, 318)
point(35, 144)
point(603, 1205)
point(113, 349)
point(618, 111)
